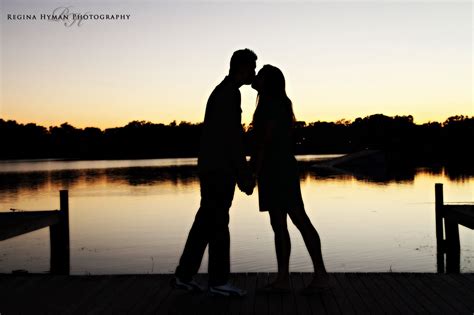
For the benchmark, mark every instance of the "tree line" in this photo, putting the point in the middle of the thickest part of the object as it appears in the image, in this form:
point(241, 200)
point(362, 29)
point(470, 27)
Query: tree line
point(450, 140)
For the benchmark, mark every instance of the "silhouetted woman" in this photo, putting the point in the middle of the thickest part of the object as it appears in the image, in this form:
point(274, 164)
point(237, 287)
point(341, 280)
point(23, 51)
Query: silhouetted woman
point(277, 176)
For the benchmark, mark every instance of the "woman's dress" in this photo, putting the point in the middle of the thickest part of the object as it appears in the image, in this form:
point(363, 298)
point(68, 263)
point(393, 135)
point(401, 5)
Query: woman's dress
point(278, 179)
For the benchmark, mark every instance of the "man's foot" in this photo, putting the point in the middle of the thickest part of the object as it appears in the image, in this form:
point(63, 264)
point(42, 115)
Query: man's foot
point(191, 286)
point(227, 290)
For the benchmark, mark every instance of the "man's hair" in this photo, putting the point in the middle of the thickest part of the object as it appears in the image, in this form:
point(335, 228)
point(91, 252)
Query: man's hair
point(241, 57)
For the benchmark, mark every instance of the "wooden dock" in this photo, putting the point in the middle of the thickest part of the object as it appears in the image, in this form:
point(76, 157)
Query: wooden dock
point(352, 293)
point(448, 242)
point(16, 223)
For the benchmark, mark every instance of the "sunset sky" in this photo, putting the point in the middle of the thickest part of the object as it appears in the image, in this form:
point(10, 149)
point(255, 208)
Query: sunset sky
point(341, 59)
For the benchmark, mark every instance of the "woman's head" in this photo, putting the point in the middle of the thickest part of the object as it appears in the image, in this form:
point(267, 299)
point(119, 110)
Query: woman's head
point(269, 81)
point(270, 85)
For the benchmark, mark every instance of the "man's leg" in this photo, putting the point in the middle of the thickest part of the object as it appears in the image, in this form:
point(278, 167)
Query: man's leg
point(219, 238)
point(198, 236)
point(221, 194)
point(196, 243)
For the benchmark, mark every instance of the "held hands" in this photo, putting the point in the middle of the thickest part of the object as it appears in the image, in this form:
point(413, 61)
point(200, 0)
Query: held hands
point(246, 181)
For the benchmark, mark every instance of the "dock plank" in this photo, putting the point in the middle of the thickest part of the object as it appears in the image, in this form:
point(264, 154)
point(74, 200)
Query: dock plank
point(274, 300)
point(469, 277)
point(339, 295)
point(301, 302)
point(365, 295)
point(97, 302)
point(17, 223)
point(127, 298)
point(465, 296)
point(155, 295)
point(467, 285)
point(405, 298)
point(248, 303)
point(79, 290)
point(327, 296)
point(429, 294)
point(163, 298)
point(316, 301)
point(358, 305)
point(261, 300)
point(288, 302)
point(444, 292)
point(351, 293)
point(380, 292)
point(235, 304)
point(21, 290)
point(407, 286)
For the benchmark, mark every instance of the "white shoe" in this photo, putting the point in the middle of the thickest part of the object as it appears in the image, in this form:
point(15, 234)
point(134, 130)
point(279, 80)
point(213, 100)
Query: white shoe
point(227, 290)
point(192, 285)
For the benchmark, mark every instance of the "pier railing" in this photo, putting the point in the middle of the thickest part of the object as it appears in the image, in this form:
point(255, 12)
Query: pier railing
point(447, 234)
point(21, 222)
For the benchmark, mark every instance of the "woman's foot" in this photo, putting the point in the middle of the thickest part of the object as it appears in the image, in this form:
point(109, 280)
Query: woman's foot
point(320, 280)
point(276, 287)
point(281, 283)
point(319, 284)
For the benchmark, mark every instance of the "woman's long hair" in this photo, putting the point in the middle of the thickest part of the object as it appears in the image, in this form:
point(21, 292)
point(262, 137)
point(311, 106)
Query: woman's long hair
point(272, 93)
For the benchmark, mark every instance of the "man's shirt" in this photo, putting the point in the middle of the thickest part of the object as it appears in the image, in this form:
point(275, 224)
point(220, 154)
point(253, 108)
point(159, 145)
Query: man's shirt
point(221, 147)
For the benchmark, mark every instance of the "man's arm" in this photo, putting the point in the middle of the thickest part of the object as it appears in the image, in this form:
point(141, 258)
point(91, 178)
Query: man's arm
point(262, 140)
point(245, 180)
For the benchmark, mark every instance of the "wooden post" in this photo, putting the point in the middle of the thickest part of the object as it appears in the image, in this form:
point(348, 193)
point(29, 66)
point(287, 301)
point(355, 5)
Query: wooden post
point(439, 201)
point(453, 250)
point(59, 237)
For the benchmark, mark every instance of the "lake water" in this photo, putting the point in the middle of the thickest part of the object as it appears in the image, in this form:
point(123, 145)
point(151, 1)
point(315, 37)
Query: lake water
point(133, 216)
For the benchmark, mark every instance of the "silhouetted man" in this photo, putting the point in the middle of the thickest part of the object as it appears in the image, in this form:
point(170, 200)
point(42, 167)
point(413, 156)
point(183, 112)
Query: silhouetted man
point(221, 165)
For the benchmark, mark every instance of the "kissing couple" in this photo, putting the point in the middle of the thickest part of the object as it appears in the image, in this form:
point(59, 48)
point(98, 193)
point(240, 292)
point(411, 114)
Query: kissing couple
point(222, 165)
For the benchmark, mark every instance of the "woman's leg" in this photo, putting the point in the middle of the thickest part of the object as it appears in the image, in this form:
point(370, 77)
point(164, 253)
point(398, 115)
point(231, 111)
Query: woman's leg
point(282, 247)
point(312, 241)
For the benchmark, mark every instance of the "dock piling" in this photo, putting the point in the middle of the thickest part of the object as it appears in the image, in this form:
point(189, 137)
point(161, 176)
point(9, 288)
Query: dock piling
point(59, 238)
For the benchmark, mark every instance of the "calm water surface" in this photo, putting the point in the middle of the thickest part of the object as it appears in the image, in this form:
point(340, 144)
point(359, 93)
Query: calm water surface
point(133, 216)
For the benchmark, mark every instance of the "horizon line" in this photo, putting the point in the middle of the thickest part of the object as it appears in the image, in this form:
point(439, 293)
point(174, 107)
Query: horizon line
point(177, 122)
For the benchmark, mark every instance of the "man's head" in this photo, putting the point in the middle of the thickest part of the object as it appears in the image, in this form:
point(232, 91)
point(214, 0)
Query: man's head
point(242, 66)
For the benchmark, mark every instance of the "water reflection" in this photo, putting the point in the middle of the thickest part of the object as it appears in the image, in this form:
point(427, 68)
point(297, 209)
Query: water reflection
point(17, 183)
point(134, 219)
point(394, 173)
point(14, 183)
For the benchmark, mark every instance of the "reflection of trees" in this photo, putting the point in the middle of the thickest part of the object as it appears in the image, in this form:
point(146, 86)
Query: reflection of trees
point(14, 183)
point(388, 174)
point(180, 175)
point(375, 175)
point(459, 172)
point(18, 183)
point(405, 141)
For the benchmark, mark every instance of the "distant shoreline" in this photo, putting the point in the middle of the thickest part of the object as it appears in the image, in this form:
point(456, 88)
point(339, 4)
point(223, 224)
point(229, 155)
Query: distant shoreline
point(399, 137)
point(298, 156)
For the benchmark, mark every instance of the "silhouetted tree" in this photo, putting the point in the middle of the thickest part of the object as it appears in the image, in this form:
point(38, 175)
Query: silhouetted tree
point(399, 136)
